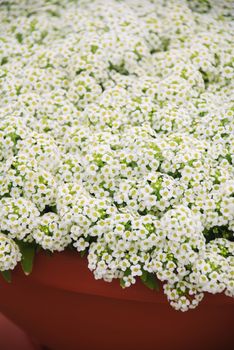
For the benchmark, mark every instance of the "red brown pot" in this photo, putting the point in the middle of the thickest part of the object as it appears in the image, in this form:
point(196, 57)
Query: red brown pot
point(62, 306)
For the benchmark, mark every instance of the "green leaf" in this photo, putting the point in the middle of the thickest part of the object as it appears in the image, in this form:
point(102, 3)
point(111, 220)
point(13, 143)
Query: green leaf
point(144, 276)
point(19, 37)
point(94, 48)
point(122, 283)
point(6, 275)
point(28, 252)
point(82, 253)
point(150, 280)
point(4, 61)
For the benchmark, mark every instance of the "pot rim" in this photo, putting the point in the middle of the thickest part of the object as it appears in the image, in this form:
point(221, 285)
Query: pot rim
point(69, 272)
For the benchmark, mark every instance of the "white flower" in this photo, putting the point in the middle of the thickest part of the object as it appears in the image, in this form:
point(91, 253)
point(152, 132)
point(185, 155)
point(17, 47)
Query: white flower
point(117, 137)
point(18, 217)
point(50, 233)
point(41, 147)
point(9, 253)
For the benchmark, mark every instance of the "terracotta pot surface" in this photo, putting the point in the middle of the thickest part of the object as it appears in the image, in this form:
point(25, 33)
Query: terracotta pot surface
point(62, 306)
point(13, 338)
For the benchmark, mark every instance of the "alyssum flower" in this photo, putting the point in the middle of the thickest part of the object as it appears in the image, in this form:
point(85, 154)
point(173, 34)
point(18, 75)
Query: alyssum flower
point(117, 139)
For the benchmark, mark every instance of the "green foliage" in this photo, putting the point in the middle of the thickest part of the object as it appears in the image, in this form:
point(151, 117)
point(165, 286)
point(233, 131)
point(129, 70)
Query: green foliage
point(6, 275)
point(150, 280)
point(19, 37)
point(28, 252)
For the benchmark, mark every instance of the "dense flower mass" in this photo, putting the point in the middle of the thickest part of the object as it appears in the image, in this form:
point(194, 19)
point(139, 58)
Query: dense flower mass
point(117, 138)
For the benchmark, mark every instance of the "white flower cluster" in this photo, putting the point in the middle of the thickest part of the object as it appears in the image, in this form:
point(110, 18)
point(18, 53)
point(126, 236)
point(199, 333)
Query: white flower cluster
point(50, 233)
point(9, 253)
point(18, 217)
point(117, 138)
